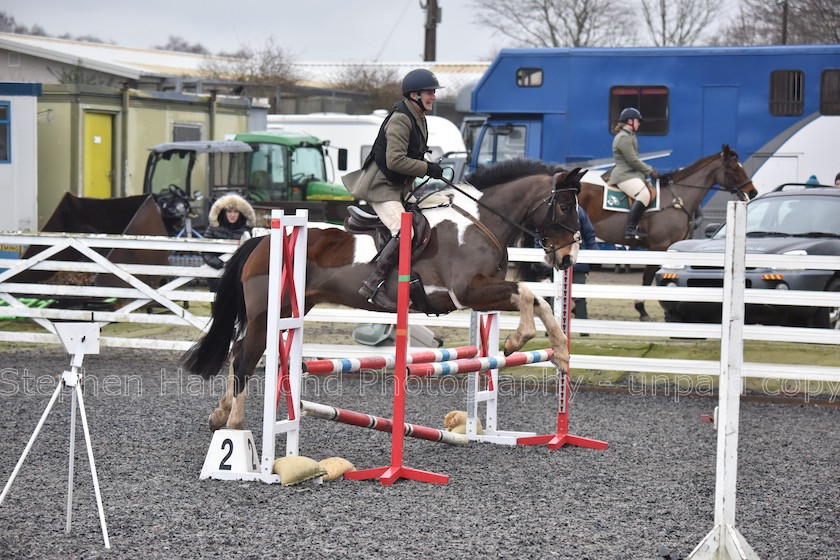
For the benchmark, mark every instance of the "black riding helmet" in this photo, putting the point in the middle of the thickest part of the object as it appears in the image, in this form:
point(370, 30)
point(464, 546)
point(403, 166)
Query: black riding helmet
point(419, 79)
point(629, 113)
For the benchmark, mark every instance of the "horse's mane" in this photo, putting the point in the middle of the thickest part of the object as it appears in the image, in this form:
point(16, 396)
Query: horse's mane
point(686, 171)
point(486, 176)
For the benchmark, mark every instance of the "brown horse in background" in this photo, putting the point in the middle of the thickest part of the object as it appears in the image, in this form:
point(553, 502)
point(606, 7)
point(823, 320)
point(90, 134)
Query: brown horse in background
point(462, 266)
point(680, 196)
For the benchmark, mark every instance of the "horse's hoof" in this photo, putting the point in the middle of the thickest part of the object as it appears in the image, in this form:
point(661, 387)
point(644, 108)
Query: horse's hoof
point(645, 318)
point(214, 424)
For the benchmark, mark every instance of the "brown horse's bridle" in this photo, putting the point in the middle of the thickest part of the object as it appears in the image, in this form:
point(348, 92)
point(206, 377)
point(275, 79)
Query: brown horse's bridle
point(549, 216)
point(735, 190)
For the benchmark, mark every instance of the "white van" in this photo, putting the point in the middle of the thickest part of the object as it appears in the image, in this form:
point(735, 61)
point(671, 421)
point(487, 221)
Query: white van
point(357, 133)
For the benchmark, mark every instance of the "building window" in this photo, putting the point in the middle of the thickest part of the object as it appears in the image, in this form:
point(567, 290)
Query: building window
point(5, 132)
point(651, 101)
point(830, 92)
point(186, 132)
point(529, 77)
point(786, 93)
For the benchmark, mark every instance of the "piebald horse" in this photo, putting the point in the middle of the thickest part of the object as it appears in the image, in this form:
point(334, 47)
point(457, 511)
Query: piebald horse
point(681, 193)
point(462, 266)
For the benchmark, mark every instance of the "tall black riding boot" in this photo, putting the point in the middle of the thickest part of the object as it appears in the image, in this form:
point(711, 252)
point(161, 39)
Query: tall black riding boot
point(374, 287)
point(636, 211)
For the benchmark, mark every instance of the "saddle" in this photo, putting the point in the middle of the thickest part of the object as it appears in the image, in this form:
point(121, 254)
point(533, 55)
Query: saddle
point(616, 200)
point(361, 222)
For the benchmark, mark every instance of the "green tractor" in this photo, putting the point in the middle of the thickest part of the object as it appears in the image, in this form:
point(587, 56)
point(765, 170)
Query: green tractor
point(281, 169)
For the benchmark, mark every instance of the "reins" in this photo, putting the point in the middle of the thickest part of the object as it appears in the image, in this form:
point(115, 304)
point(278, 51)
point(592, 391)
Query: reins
point(532, 233)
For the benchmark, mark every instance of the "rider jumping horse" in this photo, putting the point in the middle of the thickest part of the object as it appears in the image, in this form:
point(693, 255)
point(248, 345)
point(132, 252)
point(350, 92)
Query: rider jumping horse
point(462, 266)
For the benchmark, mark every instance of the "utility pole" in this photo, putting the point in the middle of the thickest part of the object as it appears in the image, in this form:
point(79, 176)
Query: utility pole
point(784, 22)
point(433, 13)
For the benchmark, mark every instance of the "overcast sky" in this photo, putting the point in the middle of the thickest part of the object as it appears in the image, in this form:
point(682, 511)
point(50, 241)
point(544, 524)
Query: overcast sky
point(309, 30)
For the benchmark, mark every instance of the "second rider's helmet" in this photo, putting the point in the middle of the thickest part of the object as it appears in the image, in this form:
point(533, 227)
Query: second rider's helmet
point(629, 113)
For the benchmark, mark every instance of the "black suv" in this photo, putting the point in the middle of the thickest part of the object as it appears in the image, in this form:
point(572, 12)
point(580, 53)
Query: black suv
point(794, 219)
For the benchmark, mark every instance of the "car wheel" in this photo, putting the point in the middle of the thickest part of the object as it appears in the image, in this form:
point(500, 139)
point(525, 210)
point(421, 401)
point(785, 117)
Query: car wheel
point(828, 317)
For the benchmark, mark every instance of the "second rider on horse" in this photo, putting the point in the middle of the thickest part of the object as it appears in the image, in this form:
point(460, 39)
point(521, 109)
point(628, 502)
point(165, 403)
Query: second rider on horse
point(390, 169)
point(630, 171)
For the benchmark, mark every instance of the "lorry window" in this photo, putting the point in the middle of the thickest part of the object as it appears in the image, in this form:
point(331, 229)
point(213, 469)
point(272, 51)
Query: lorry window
point(786, 88)
point(830, 92)
point(506, 141)
point(651, 101)
point(529, 77)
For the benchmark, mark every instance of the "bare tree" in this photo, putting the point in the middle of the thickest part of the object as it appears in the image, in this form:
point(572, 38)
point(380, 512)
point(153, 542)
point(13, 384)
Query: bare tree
point(679, 23)
point(179, 44)
point(559, 23)
point(261, 72)
point(760, 22)
point(382, 85)
point(7, 23)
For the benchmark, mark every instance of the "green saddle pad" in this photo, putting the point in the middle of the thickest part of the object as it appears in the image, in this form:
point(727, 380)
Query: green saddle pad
point(616, 201)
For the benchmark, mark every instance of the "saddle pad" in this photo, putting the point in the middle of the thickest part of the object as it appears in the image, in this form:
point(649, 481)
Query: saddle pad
point(616, 200)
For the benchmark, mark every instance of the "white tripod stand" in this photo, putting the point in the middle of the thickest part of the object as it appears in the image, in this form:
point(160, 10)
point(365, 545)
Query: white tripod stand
point(78, 339)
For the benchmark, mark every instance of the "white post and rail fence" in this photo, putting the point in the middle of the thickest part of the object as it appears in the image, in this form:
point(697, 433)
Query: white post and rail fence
point(169, 291)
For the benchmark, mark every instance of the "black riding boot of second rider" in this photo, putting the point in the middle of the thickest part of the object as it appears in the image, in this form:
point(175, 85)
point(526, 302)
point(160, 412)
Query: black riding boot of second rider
point(374, 287)
point(636, 211)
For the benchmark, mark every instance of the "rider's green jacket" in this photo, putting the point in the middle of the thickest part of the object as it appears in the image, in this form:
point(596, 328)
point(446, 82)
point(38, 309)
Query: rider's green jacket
point(626, 153)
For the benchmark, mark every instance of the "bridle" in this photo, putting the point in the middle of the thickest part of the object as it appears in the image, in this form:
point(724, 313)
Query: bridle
point(550, 215)
point(734, 190)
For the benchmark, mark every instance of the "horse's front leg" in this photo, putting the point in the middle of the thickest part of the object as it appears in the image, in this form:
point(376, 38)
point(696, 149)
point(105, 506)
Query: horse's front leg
point(526, 330)
point(219, 417)
point(491, 294)
point(556, 337)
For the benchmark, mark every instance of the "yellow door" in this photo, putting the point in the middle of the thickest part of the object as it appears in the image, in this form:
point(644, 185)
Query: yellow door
point(98, 156)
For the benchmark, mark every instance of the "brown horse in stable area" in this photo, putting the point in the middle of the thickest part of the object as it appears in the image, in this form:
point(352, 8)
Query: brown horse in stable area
point(462, 266)
point(680, 195)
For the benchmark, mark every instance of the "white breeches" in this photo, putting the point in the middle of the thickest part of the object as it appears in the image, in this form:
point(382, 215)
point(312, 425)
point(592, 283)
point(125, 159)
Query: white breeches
point(637, 189)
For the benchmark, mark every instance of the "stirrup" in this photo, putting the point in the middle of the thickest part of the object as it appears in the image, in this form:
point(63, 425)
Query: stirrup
point(634, 233)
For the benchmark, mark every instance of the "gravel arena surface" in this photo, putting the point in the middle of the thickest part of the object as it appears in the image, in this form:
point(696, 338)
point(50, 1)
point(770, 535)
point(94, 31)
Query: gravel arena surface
point(653, 487)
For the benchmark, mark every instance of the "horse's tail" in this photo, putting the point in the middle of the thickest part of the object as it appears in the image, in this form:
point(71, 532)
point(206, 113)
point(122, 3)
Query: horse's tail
point(207, 356)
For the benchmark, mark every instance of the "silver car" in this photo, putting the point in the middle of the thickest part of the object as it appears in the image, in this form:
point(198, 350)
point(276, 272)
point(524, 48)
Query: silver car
point(794, 219)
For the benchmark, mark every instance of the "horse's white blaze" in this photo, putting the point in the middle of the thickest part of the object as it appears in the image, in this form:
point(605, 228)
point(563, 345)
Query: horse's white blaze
point(440, 215)
point(364, 249)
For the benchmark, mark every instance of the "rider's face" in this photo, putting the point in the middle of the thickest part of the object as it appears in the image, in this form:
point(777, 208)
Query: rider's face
point(427, 99)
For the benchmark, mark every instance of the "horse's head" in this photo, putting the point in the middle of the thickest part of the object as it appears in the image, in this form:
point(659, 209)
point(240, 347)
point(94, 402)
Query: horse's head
point(732, 176)
point(558, 226)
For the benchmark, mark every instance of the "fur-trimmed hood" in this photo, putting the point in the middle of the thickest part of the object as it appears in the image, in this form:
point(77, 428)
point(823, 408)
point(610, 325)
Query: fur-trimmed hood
point(232, 201)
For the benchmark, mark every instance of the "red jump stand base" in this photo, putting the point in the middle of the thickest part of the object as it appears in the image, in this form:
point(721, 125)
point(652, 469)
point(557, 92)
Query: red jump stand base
point(556, 441)
point(389, 475)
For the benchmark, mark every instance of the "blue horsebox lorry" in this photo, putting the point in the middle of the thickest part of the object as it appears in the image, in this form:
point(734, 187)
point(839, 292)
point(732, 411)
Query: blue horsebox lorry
point(778, 107)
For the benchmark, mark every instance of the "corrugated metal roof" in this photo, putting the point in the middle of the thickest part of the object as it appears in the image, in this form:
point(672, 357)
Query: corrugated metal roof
point(134, 63)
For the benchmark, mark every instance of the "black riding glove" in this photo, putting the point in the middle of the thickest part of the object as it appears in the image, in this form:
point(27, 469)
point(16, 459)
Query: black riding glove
point(435, 171)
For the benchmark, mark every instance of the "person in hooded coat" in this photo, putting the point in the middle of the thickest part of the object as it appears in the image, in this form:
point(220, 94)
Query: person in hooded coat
point(231, 217)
